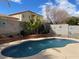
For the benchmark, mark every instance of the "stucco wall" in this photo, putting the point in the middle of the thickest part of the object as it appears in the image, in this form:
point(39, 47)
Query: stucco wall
point(74, 31)
point(60, 29)
point(8, 26)
point(19, 16)
point(26, 16)
point(66, 30)
point(29, 15)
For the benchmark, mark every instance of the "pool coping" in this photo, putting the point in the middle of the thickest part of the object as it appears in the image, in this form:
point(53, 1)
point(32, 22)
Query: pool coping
point(37, 39)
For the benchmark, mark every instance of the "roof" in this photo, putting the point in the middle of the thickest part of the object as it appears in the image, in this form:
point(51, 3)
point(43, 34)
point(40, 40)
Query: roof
point(1, 15)
point(9, 17)
point(23, 12)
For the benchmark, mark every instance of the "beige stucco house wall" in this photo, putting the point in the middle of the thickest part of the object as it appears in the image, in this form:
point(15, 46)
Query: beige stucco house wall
point(19, 16)
point(26, 15)
point(9, 25)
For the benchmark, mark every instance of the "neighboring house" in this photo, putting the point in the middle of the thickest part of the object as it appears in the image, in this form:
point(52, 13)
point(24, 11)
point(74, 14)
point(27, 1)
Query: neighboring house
point(26, 15)
point(9, 25)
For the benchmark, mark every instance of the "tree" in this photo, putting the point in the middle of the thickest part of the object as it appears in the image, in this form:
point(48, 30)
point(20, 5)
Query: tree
point(72, 21)
point(53, 14)
point(59, 15)
point(31, 26)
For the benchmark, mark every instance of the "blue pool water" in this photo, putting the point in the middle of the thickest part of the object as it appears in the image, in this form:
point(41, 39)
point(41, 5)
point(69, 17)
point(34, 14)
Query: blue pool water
point(30, 48)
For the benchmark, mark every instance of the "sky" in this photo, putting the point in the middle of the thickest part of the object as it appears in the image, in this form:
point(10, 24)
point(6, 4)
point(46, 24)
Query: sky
point(71, 6)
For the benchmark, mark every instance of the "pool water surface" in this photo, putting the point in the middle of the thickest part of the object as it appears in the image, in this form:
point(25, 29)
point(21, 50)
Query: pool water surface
point(30, 48)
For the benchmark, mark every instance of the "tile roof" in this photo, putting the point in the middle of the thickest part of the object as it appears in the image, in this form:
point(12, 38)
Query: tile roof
point(24, 12)
point(7, 16)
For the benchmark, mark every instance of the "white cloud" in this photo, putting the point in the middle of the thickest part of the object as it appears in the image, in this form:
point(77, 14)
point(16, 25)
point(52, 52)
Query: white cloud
point(17, 1)
point(63, 4)
point(67, 6)
point(46, 11)
point(76, 14)
point(46, 7)
point(59, 1)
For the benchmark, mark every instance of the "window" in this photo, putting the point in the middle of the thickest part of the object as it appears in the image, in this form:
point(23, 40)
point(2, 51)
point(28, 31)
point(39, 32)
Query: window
point(2, 23)
point(32, 16)
point(29, 17)
point(23, 15)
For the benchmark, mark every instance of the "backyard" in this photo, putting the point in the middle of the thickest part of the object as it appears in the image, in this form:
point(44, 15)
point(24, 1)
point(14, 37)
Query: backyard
point(47, 29)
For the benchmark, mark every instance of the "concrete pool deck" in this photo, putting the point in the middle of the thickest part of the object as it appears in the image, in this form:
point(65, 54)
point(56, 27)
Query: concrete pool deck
point(71, 51)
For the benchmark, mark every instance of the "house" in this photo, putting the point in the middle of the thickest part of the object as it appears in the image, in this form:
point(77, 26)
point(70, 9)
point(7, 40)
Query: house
point(26, 15)
point(9, 25)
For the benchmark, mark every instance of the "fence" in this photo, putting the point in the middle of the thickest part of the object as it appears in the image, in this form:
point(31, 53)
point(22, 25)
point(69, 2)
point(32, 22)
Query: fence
point(65, 30)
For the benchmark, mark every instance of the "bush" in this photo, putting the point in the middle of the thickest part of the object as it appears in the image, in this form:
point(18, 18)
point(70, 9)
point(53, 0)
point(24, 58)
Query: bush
point(73, 21)
point(43, 29)
point(31, 26)
point(34, 26)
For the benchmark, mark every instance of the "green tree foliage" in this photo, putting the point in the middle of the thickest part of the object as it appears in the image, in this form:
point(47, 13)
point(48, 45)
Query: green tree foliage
point(34, 26)
point(73, 21)
point(31, 26)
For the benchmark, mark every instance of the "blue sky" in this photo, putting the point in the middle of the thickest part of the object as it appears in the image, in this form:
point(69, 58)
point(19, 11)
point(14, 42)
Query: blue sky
point(72, 6)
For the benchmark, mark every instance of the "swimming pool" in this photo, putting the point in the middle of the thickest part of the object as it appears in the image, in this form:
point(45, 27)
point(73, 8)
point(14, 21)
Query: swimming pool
point(30, 48)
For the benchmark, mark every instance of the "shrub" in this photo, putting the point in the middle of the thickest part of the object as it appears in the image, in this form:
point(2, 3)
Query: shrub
point(73, 21)
point(43, 29)
point(34, 26)
point(31, 26)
